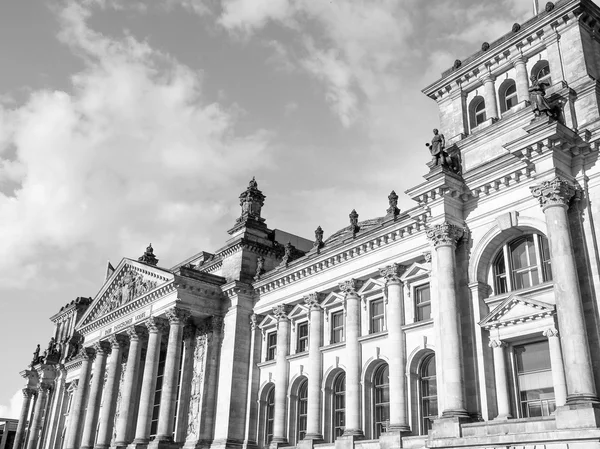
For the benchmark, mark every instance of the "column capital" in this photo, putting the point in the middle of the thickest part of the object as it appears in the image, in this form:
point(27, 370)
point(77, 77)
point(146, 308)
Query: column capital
point(177, 315)
point(254, 320)
point(117, 341)
point(556, 192)
point(102, 347)
point(313, 300)
point(519, 60)
point(136, 333)
point(487, 77)
point(350, 287)
point(444, 234)
point(391, 273)
point(281, 312)
point(28, 393)
point(189, 331)
point(156, 325)
point(86, 354)
point(496, 343)
point(550, 332)
point(44, 387)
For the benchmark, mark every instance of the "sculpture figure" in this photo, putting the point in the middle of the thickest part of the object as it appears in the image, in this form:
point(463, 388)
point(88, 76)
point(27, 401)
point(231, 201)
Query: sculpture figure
point(36, 354)
point(537, 94)
point(439, 155)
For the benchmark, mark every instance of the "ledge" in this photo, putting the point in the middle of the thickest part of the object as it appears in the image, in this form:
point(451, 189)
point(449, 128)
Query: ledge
point(333, 347)
point(374, 336)
point(418, 324)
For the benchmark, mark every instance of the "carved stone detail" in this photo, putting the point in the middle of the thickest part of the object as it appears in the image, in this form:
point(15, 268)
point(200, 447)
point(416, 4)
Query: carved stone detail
point(281, 312)
point(427, 256)
point(254, 319)
point(354, 222)
point(189, 331)
point(260, 264)
point(392, 273)
point(215, 324)
point(45, 387)
point(550, 332)
point(118, 341)
point(557, 192)
point(136, 333)
point(148, 257)
point(350, 287)
point(444, 234)
point(495, 343)
point(102, 347)
point(177, 315)
point(86, 354)
point(155, 324)
point(318, 244)
point(28, 393)
point(313, 300)
point(392, 210)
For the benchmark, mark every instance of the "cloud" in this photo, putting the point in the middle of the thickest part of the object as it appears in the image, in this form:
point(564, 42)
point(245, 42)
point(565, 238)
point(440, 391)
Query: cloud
point(13, 409)
point(132, 152)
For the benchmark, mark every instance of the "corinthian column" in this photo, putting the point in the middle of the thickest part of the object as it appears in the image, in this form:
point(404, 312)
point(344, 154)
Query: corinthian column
point(168, 395)
point(28, 393)
point(556, 364)
point(78, 405)
point(352, 300)
point(554, 197)
point(444, 237)
point(397, 345)
point(94, 399)
point(111, 391)
point(282, 369)
point(36, 421)
point(502, 397)
point(315, 366)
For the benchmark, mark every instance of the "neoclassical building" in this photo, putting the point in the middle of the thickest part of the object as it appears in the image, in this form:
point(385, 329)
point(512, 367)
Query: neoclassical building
point(468, 321)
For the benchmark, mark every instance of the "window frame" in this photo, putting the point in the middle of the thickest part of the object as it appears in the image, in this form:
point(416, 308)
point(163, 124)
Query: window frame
point(423, 419)
point(506, 97)
point(302, 340)
point(302, 411)
point(415, 295)
point(269, 415)
point(380, 425)
point(334, 329)
point(271, 347)
point(335, 412)
point(477, 116)
point(381, 318)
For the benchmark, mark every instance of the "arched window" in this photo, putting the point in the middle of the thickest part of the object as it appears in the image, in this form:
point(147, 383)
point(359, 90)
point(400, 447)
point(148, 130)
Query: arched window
point(541, 70)
point(521, 263)
point(477, 111)
point(302, 410)
point(381, 396)
point(508, 95)
point(339, 405)
point(270, 414)
point(428, 393)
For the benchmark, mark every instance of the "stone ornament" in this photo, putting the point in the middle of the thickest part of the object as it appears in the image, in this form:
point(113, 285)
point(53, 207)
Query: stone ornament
point(28, 393)
point(260, 268)
point(102, 347)
point(148, 257)
point(254, 319)
point(281, 312)
point(549, 6)
point(189, 332)
point(516, 27)
point(251, 202)
point(392, 273)
point(392, 210)
point(177, 315)
point(444, 234)
point(43, 387)
point(136, 332)
point(457, 64)
point(216, 324)
point(557, 192)
point(550, 332)
point(313, 300)
point(87, 354)
point(318, 238)
point(495, 343)
point(427, 256)
point(354, 222)
point(350, 287)
point(485, 46)
point(155, 325)
point(117, 341)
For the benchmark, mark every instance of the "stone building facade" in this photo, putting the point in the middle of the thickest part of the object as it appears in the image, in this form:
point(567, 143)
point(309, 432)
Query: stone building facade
point(468, 321)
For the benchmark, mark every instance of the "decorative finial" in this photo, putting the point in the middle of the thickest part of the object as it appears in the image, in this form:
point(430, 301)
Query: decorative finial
point(253, 184)
point(516, 27)
point(354, 222)
point(393, 210)
point(251, 201)
point(149, 257)
point(318, 238)
point(485, 46)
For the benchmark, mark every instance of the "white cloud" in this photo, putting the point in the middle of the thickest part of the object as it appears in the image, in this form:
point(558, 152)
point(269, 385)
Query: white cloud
point(13, 409)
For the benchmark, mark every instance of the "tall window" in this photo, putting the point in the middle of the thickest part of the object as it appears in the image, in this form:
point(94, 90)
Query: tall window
point(477, 112)
point(337, 327)
point(377, 315)
point(339, 405)
point(270, 413)
point(159, 383)
point(422, 302)
point(428, 394)
point(508, 95)
point(534, 379)
point(271, 345)
point(302, 410)
point(382, 399)
point(302, 343)
point(526, 259)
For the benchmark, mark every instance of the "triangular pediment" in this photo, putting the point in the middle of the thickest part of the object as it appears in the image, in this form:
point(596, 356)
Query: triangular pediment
point(371, 286)
point(299, 311)
point(517, 309)
point(332, 298)
point(416, 271)
point(130, 280)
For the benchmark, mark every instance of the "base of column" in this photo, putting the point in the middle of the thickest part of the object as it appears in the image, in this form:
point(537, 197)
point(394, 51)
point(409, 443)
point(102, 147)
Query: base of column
point(138, 444)
point(308, 443)
point(353, 432)
point(448, 426)
point(163, 444)
point(347, 441)
point(198, 444)
point(398, 428)
point(313, 436)
point(391, 439)
point(578, 416)
point(582, 399)
point(277, 443)
point(502, 417)
point(119, 445)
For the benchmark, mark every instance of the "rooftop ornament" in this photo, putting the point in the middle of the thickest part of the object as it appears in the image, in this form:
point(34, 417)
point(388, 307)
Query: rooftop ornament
point(457, 64)
point(354, 222)
point(516, 27)
point(549, 6)
point(485, 46)
point(148, 257)
point(392, 210)
point(318, 244)
point(439, 154)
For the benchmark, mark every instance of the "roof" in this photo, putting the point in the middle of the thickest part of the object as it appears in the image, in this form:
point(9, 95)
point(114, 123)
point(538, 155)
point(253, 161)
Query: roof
point(346, 232)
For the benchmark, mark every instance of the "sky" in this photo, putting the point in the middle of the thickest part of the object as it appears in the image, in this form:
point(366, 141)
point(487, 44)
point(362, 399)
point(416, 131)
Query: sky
point(125, 122)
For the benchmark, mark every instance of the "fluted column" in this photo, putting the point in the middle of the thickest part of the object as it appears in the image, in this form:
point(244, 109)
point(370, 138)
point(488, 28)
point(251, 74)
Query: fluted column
point(554, 197)
point(444, 237)
point(315, 366)
point(282, 370)
point(93, 404)
point(127, 407)
point(522, 80)
point(156, 327)
point(489, 94)
point(397, 345)
point(502, 390)
point(111, 391)
point(187, 373)
point(556, 363)
point(36, 421)
point(28, 393)
point(76, 414)
point(352, 300)
point(168, 395)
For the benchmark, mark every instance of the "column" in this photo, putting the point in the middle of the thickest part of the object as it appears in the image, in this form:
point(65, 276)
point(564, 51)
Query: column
point(444, 238)
point(558, 369)
point(76, 414)
point(353, 426)
point(502, 391)
point(168, 395)
point(282, 370)
point(93, 404)
point(187, 373)
point(554, 197)
point(156, 327)
point(315, 366)
point(397, 345)
point(522, 80)
point(489, 94)
point(40, 406)
point(28, 393)
point(127, 407)
point(111, 391)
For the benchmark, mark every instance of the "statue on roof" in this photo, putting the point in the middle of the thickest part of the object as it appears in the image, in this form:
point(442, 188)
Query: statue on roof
point(439, 153)
point(251, 202)
point(318, 243)
point(36, 355)
point(537, 95)
point(148, 257)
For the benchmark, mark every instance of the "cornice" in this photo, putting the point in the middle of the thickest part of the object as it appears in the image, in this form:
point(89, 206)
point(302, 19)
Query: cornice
point(255, 247)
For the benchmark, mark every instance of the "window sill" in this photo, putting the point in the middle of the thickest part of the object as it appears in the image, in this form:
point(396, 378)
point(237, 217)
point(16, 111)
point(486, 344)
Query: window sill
point(418, 324)
point(267, 363)
point(524, 291)
point(297, 355)
point(373, 336)
point(333, 346)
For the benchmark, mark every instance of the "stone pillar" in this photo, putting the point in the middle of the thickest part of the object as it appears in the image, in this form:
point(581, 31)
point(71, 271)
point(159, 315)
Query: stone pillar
point(28, 393)
point(282, 370)
point(558, 370)
point(502, 390)
point(554, 197)
point(552, 41)
point(489, 94)
point(93, 404)
point(315, 366)
point(522, 80)
point(187, 373)
point(352, 300)
point(76, 414)
point(36, 422)
point(168, 395)
point(127, 407)
point(397, 345)
point(111, 391)
point(444, 238)
point(156, 327)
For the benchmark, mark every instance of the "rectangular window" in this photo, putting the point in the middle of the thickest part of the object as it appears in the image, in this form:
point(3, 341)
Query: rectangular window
point(423, 302)
point(271, 346)
point(534, 379)
point(377, 315)
point(302, 330)
point(337, 327)
point(157, 392)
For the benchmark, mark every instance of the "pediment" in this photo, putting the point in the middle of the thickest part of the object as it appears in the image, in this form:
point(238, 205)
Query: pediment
point(130, 280)
point(416, 271)
point(371, 286)
point(332, 298)
point(299, 311)
point(517, 309)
